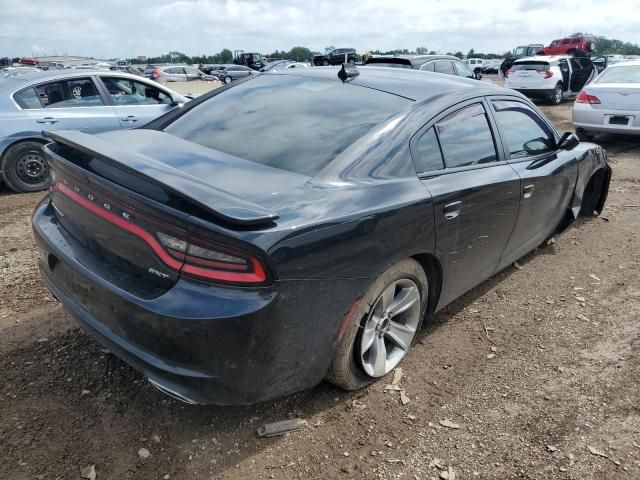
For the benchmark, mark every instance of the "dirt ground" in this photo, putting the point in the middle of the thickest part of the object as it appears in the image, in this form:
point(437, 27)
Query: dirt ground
point(538, 368)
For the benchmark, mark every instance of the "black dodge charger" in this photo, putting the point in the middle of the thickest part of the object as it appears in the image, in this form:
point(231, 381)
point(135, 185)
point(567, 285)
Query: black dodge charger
point(300, 226)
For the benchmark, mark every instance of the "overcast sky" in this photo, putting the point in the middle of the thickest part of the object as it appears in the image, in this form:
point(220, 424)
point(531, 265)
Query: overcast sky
point(125, 28)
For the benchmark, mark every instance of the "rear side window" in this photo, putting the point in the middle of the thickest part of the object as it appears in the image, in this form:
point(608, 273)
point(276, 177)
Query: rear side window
point(28, 99)
point(294, 123)
point(466, 138)
point(428, 67)
point(444, 66)
point(429, 157)
point(75, 92)
point(525, 133)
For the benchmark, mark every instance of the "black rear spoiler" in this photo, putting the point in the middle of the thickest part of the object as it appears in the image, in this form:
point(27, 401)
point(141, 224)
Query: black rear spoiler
point(220, 203)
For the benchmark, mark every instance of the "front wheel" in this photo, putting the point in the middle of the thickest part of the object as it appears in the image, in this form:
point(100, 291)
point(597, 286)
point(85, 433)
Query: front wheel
point(382, 327)
point(227, 80)
point(24, 168)
point(352, 62)
point(325, 62)
point(556, 97)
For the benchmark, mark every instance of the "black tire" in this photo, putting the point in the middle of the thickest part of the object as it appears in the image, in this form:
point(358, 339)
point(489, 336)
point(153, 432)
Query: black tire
point(585, 136)
point(24, 168)
point(227, 80)
point(325, 62)
point(346, 370)
point(557, 95)
point(352, 62)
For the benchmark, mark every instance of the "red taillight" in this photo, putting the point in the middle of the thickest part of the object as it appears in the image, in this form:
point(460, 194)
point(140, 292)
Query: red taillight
point(511, 70)
point(584, 97)
point(548, 74)
point(181, 251)
point(155, 73)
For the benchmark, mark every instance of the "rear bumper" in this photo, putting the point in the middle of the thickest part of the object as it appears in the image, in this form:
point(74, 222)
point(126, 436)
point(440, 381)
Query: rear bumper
point(535, 92)
point(203, 343)
point(590, 119)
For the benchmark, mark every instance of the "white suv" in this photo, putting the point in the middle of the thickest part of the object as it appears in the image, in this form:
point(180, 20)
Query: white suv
point(551, 77)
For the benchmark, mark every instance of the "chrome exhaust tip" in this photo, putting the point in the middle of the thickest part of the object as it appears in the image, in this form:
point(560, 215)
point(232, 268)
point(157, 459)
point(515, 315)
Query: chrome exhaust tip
point(172, 393)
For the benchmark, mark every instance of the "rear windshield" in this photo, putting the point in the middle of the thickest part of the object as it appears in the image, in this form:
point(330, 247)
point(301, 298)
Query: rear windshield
point(629, 74)
point(390, 62)
point(533, 65)
point(290, 122)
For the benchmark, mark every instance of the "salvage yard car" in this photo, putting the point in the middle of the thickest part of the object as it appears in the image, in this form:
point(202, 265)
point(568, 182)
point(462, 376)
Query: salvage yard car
point(89, 101)
point(446, 64)
point(231, 271)
point(337, 56)
point(554, 78)
point(611, 103)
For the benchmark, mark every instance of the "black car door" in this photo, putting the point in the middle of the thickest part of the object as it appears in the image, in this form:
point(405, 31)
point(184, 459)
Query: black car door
point(475, 194)
point(548, 174)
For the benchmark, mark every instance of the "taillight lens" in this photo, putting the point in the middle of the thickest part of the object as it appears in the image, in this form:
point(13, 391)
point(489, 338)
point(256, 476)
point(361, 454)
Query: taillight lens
point(203, 258)
point(511, 70)
point(548, 74)
point(186, 253)
point(584, 97)
point(155, 73)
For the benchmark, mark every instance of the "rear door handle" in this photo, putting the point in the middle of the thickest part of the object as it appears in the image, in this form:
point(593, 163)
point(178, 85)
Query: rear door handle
point(47, 120)
point(452, 210)
point(527, 191)
point(130, 118)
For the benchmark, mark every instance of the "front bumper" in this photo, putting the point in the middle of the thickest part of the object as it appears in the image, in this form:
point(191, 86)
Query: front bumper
point(590, 119)
point(203, 343)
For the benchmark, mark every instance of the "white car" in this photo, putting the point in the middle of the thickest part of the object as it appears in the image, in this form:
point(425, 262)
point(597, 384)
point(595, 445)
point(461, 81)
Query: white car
point(611, 103)
point(553, 77)
point(475, 63)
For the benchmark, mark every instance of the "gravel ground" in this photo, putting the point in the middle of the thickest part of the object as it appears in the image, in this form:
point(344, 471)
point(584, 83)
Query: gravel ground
point(533, 374)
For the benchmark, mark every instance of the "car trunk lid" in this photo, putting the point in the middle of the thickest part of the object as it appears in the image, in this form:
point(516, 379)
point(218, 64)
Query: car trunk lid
point(616, 96)
point(529, 74)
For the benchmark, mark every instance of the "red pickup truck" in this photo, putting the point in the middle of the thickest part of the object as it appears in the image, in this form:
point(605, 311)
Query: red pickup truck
point(577, 45)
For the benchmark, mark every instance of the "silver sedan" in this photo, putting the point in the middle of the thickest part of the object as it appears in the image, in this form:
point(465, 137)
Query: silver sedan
point(89, 101)
point(611, 103)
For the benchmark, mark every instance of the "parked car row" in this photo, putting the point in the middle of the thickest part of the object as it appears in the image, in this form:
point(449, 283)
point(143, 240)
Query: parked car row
point(87, 101)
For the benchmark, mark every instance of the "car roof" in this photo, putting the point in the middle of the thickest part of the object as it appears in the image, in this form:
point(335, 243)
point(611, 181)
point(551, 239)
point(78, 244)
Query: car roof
point(412, 84)
point(417, 58)
point(16, 83)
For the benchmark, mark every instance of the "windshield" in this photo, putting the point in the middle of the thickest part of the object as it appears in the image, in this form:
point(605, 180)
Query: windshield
point(630, 74)
point(294, 123)
point(520, 51)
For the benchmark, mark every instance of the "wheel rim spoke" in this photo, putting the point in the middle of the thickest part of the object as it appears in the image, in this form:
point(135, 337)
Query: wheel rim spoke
point(400, 334)
point(405, 299)
point(368, 334)
point(387, 296)
point(378, 357)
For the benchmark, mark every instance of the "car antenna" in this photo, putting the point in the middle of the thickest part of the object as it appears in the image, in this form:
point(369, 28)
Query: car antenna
point(347, 72)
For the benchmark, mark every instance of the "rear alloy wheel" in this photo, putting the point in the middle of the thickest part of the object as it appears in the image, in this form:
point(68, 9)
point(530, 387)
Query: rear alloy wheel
point(325, 62)
point(556, 98)
point(227, 80)
point(382, 326)
point(24, 168)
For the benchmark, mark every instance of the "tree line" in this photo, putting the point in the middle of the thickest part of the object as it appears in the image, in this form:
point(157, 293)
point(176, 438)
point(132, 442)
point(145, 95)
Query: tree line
point(604, 46)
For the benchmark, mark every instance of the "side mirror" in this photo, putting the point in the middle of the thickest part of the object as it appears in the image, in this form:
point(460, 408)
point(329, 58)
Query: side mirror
point(175, 100)
point(568, 141)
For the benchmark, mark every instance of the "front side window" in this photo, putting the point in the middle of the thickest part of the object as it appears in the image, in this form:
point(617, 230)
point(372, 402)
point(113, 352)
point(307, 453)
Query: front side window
point(444, 66)
point(466, 138)
point(295, 123)
point(525, 133)
point(124, 91)
point(76, 92)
